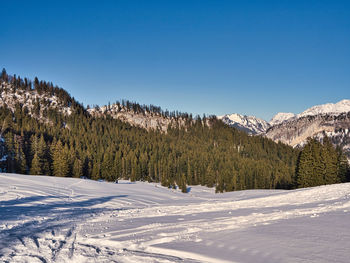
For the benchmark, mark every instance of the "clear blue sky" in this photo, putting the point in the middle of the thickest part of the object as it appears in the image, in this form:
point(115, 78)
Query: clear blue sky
point(250, 57)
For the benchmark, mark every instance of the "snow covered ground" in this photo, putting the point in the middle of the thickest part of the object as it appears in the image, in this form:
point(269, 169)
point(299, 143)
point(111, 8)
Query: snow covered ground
point(49, 219)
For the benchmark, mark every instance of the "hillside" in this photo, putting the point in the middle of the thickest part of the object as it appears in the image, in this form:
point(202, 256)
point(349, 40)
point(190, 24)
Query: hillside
point(140, 116)
point(50, 219)
point(41, 98)
point(48, 132)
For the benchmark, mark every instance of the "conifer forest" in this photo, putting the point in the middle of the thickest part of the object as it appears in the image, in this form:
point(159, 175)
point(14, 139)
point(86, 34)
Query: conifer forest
point(204, 151)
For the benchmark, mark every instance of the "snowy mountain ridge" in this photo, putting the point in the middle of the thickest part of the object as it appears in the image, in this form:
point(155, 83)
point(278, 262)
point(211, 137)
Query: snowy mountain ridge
point(296, 130)
point(329, 108)
point(281, 117)
point(255, 125)
point(331, 119)
point(250, 124)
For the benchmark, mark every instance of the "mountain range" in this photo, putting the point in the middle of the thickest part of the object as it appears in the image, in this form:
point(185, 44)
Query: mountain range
point(331, 119)
point(255, 125)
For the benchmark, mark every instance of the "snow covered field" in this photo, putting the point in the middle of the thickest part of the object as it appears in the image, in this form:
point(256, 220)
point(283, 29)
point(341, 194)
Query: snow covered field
point(49, 219)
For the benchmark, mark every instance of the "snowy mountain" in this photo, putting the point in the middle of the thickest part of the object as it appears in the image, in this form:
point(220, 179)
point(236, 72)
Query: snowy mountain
point(296, 131)
point(50, 219)
point(281, 117)
point(328, 119)
point(331, 119)
point(250, 124)
point(255, 125)
point(329, 108)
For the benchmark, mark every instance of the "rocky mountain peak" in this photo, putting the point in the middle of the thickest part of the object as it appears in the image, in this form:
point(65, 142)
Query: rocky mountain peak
point(250, 124)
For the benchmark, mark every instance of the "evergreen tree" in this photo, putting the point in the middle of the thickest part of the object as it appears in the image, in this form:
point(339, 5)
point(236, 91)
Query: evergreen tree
point(20, 162)
point(330, 159)
point(60, 163)
point(77, 168)
point(343, 166)
point(107, 168)
point(320, 164)
point(36, 166)
point(4, 75)
point(96, 170)
point(304, 170)
point(182, 184)
point(44, 156)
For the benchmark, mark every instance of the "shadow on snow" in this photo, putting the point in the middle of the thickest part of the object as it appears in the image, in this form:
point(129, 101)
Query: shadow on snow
point(58, 212)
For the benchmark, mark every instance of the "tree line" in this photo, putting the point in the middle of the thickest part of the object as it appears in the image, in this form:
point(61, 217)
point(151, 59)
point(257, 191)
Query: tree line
point(321, 163)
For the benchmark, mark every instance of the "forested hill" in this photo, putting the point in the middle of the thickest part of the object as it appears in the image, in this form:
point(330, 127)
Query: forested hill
point(46, 131)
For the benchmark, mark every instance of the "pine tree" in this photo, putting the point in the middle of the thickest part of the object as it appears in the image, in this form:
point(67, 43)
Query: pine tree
point(60, 163)
point(318, 164)
point(20, 162)
point(96, 170)
point(182, 184)
point(4, 75)
point(107, 168)
point(36, 166)
point(39, 151)
point(77, 168)
point(343, 166)
point(44, 156)
point(118, 165)
point(10, 150)
point(330, 159)
point(304, 170)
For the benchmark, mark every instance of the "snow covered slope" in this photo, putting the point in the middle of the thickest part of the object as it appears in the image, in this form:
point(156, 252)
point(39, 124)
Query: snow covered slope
point(329, 108)
point(281, 117)
point(250, 124)
point(50, 219)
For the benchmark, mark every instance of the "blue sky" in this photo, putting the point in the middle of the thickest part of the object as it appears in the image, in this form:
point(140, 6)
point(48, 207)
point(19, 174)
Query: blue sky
point(214, 57)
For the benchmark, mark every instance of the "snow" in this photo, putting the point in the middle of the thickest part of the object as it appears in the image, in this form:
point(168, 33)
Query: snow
point(49, 219)
point(329, 108)
point(251, 124)
point(146, 120)
point(10, 97)
point(3, 158)
point(281, 117)
point(254, 125)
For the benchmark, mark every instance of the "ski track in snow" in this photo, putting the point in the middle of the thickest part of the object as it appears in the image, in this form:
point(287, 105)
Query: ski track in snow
point(48, 219)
